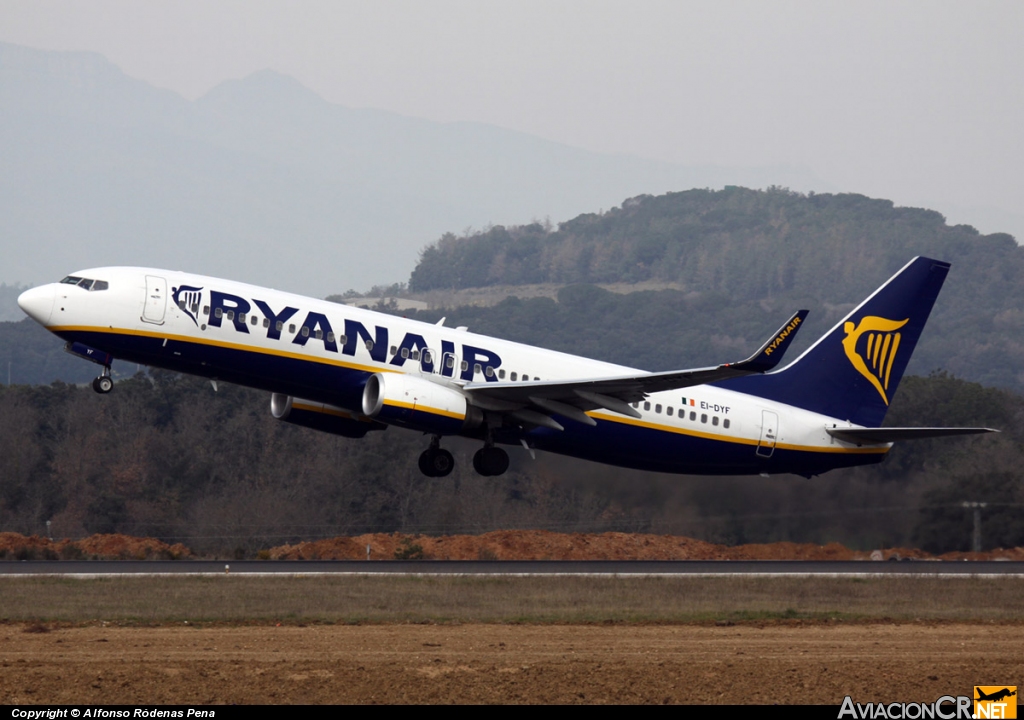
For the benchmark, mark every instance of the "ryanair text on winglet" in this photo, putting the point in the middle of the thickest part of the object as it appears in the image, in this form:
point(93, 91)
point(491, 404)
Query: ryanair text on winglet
point(782, 336)
point(946, 707)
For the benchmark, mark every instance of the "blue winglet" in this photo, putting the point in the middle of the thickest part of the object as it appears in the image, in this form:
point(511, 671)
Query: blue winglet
point(769, 355)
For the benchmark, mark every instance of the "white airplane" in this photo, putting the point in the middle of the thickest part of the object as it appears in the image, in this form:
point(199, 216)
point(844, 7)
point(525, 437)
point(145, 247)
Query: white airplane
point(349, 371)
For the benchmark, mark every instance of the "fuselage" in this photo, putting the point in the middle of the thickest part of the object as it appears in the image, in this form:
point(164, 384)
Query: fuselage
point(325, 352)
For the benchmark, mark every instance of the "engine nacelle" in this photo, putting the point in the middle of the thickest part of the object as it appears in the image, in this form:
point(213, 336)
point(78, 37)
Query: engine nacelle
point(419, 404)
point(320, 416)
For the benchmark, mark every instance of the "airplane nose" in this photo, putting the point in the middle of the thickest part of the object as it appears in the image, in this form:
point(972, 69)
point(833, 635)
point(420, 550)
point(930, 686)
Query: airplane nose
point(38, 303)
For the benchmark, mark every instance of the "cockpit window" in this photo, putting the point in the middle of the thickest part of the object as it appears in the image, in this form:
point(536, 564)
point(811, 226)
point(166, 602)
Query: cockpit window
point(86, 283)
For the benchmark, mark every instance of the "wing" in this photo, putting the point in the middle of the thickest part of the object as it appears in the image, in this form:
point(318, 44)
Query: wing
point(535, 402)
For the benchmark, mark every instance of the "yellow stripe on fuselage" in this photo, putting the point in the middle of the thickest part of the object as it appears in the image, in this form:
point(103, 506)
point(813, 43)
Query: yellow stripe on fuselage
point(410, 406)
point(222, 344)
point(623, 419)
point(423, 408)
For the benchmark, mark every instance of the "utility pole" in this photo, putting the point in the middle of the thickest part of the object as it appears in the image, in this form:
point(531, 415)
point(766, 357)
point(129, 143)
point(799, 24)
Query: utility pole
point(977, 506)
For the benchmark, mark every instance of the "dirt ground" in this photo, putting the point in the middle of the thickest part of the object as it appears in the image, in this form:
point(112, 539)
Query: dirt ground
point(497, 545)
point(796, 663)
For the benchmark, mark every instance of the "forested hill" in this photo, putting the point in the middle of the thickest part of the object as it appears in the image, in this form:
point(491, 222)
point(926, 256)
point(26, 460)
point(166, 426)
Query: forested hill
point(750, 244)
point(743, 259)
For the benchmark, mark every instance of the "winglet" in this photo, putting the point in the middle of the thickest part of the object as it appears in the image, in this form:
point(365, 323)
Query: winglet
point(772, 351)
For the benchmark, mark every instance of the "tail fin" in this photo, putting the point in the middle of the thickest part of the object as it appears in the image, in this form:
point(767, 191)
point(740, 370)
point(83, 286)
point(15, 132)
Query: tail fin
point(852, 372)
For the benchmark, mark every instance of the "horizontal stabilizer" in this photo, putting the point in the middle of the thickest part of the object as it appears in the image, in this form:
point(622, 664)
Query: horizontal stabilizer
point(892, 434)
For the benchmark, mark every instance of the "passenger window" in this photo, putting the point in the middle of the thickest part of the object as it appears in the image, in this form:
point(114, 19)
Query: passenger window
point(704, 418)
point(330, 337)
point(195, 309)
point(369, 345)
point(343, 340)
point(231, 315)
point(254, 321)
point(725, 423)
point(218, 313)
point(241, 317)
point(319, 334)
point(415, 354)
point(394, 350)
point(450, 362)
point(714, 421)
point(647, 406)
point(279, 326)
point(181, 304)
point(669, 410)
point(464, 365)
point(489, 371)
point(291, 328)
point(206, 309)
point(657, 408)
point(426, 356)
point(513, 377)
point(266, 323)
point(477, 369)
point(501, 374)
point(305, 331)
point(693, 415)
point(405, 353)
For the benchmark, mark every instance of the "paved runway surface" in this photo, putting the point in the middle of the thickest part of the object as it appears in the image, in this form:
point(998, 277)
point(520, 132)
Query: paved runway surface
point(474, 567)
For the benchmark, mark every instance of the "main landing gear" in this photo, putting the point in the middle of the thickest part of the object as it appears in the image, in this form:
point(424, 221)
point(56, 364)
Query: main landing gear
point(438, 462)
point(104, 383)
point(490, 461)
point(435, 460)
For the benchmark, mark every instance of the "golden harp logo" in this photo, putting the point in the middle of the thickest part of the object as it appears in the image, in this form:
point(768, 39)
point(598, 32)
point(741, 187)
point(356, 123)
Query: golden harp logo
point(873, 358)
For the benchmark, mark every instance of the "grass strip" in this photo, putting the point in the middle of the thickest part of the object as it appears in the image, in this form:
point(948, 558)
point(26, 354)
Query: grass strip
point(375, 599)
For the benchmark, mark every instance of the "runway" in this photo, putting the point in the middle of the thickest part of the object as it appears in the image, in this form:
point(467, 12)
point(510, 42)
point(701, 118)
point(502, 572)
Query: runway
point(531, 568)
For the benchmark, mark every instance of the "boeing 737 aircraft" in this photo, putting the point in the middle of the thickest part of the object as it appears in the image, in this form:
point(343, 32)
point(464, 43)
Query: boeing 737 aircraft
point(349, 371)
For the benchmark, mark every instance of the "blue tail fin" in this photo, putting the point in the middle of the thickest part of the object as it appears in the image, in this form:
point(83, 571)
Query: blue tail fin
point(852, 372)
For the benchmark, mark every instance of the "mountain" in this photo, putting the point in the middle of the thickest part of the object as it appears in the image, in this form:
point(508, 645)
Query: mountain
point(265, 181)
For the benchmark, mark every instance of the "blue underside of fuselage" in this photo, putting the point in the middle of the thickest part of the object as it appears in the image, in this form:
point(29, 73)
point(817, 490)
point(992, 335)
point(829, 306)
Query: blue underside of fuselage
point(614, 443)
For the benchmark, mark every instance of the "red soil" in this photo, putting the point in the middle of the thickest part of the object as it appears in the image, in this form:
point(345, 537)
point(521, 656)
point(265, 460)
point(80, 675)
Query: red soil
point(499, 545)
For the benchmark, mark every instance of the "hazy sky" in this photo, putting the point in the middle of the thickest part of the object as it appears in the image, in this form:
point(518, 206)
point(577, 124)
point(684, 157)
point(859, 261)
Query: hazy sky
point(920, 102)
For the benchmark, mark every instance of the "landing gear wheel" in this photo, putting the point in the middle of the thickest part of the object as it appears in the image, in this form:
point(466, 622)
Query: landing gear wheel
point(436, 462)
point(103, 384)
point(490, 461)
point(444, 463)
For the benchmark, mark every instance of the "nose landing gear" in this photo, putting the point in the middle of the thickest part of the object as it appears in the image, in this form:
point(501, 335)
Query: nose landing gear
point(104, 383)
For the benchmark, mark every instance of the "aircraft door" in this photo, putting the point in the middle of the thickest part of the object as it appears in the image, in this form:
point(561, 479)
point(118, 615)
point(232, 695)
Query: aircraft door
point(769, 433)
point(156, 300)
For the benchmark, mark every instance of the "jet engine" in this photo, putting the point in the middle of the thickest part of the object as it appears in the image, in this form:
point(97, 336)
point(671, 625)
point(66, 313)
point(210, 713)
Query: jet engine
point(320, 416)
point(413, 402)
